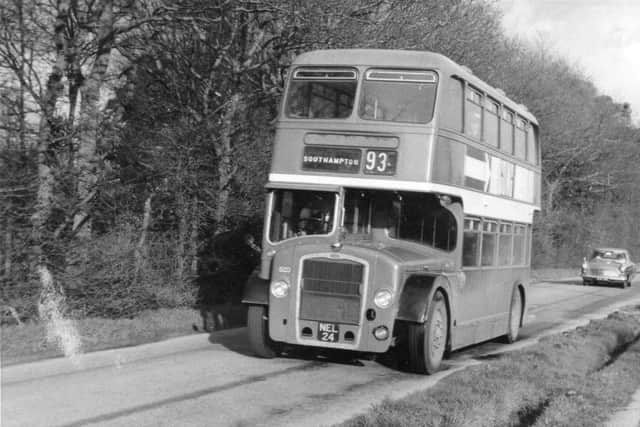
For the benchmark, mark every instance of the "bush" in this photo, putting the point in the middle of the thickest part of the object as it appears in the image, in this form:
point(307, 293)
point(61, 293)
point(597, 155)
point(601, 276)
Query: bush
point(111, 280)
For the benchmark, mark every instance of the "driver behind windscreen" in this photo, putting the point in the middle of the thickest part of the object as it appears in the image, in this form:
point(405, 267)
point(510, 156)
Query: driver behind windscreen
point(314, 218)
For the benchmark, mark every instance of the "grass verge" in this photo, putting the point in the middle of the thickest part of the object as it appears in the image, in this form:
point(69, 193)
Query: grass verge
point(575, 378)
point(29, 342)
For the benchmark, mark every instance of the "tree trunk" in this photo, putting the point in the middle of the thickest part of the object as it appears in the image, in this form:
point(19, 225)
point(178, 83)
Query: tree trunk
point(87, 160)
point(54, 89)
point(552, 187)
point(7, 253)
point(193, 244)
point(224, 153)
point(182, 237)
point(51, 303)
point(141, 252)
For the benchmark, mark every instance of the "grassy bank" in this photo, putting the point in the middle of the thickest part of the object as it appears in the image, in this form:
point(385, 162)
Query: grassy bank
point(575, 378)
point(29, 341)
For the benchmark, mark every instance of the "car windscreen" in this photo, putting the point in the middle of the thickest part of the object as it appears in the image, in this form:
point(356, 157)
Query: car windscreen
point(608, 255)
point(406, 96)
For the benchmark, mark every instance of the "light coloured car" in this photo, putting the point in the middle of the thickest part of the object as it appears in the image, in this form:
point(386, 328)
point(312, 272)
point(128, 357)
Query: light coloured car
point(608, 265)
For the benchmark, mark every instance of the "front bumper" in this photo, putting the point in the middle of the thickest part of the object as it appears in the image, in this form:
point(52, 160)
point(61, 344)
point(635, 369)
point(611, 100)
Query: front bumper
point(604, 278)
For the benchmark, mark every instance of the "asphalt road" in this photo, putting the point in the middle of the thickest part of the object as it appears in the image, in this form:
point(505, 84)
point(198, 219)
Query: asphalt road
point(213, 380)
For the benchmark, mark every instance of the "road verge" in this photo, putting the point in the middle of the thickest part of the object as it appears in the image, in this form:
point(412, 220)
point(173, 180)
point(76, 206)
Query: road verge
point(578, 377)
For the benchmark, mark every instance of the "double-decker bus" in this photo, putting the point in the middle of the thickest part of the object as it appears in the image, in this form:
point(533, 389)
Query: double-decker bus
point(399, 207)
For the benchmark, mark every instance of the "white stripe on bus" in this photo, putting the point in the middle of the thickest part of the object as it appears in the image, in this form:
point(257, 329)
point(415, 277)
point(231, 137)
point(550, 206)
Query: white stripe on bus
point(475, 202)
point(477, 169)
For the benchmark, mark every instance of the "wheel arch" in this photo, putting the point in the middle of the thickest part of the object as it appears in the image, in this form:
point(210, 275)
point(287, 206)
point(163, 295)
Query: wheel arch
point(417, 293)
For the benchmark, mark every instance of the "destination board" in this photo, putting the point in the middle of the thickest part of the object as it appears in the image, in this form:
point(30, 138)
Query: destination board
point(332, 159)
point(349, 160)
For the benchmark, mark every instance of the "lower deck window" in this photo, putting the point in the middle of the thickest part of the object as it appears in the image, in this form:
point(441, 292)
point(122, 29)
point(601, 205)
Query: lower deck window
point(471, 242)
point(416, 217)
point(519, 241)
point(506, 243)
point(494, 243)
point(489, 243)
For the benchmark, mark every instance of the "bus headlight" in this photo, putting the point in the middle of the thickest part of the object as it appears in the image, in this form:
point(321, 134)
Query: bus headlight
point(383, 298)
point(279, 289)
point(381, 333)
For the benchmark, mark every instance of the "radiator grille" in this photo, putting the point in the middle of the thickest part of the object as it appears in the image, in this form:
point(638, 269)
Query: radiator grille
point(331, 290)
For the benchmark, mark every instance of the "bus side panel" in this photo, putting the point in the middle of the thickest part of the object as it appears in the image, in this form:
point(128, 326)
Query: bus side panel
point(448, 162)
point(498, 283)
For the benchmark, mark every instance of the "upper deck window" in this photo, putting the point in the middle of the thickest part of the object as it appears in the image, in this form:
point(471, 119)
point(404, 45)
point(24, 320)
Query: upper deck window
point(491, 122)
point(473, 114)
point(532, 145)
point(506, 131)
point(317, 93)
point(520, 143)
point(398, 96)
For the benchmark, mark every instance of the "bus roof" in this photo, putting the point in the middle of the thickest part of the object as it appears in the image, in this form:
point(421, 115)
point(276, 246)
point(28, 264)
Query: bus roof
point(407, 59)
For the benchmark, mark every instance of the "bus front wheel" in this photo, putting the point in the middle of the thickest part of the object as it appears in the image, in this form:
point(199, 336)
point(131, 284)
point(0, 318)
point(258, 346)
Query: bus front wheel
point(427, 342)
point(258, 327)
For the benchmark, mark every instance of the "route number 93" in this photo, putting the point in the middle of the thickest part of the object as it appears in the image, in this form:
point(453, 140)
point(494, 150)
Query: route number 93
point(380, 162)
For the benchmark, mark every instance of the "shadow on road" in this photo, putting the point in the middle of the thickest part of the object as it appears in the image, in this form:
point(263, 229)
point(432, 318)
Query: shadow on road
point(237, 341)
point(234, 340)
point(577, 281)
point(568, 281)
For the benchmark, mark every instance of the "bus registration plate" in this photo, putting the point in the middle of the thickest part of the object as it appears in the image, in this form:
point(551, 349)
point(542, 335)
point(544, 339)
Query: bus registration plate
point(328, 332)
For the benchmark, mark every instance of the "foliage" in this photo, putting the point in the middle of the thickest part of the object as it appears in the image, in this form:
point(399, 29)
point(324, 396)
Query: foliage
point(126, 196)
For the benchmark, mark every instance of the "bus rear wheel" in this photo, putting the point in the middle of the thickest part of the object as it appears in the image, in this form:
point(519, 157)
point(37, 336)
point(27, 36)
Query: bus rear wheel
point(515, 317)
point(258, 327)
point(427, 341)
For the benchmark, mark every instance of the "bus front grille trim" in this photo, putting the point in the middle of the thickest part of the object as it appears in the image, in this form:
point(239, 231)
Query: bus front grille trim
point(330, 290)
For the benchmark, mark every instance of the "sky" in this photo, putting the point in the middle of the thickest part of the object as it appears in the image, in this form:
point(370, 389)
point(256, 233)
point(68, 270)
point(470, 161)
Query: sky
point(601, 38)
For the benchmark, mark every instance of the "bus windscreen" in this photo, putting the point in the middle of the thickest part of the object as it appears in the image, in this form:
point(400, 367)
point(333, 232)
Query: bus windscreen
point(296, 213)
point(321, 94)
point(398, 96)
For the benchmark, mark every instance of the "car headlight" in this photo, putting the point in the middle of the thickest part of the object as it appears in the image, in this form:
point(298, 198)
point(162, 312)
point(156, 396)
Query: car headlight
point(383, 298)
point(279, 289)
